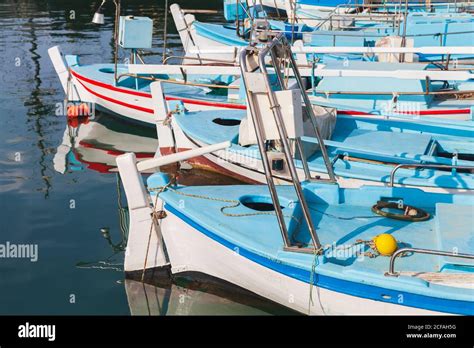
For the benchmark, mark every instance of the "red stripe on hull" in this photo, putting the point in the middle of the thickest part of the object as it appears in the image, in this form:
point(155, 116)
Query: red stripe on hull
point(108, 86)
point(234, 106)
point(148, 95)
point(420, 113)
point(115, 101)
point(213, 104)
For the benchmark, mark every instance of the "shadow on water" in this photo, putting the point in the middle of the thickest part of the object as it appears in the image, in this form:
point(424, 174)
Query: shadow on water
point(95, 145)
point(193, 294)
point(36, 108)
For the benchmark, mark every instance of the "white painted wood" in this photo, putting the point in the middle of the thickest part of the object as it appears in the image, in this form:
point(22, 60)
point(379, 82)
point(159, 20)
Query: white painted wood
point(59, 65)
point(132, 181)
point(160, 106)
point(396, 74)
point(320, 70)
point(301, 58)
point(361, 50)
point(182, 156)
point(141, 230)
point(144, 234)
point(179, 69)
point(183, 27)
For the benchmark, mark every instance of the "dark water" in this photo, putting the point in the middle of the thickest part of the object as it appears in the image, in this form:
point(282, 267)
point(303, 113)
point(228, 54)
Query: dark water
point(58, 186)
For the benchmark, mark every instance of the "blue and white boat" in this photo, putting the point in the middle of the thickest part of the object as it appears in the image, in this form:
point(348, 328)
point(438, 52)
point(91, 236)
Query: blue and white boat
point(232, 233)
point(358, 88)
point(362, 150)
point(421, 30)
point(313, 246)
point(284, 7)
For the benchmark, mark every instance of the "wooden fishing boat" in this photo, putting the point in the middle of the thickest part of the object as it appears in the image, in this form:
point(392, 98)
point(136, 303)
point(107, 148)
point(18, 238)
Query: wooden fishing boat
point(358, 88)
point(311, 246)
point(362, 150)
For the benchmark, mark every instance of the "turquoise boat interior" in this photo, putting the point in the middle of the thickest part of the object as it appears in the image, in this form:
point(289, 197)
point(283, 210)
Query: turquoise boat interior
point(318, 88)
point(360, 147)
point(362, 91)
point(104, 73)
point(243, 217)
point(424, 29)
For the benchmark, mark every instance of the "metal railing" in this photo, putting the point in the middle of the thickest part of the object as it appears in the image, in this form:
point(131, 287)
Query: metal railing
point(422, 165)
point(391, 271)
point(280, 51)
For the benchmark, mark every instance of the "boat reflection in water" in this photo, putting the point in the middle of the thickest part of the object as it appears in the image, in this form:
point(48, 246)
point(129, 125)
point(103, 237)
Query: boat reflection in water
point(95, 144)
point(194, 296)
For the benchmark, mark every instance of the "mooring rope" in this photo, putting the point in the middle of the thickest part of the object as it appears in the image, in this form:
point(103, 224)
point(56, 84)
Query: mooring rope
point(154, 218)
point(235, 203)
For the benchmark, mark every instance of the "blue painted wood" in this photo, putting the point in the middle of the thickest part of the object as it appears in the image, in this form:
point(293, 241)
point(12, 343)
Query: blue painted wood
point(342, 216)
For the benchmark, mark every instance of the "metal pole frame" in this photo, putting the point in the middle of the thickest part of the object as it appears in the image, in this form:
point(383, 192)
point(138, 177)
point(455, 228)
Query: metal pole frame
point(275, 107)
point(391, 271)
point(116, 34)
point(257, 122)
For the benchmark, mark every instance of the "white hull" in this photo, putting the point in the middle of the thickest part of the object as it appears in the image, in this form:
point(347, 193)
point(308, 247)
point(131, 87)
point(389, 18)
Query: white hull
point(192, 41)
point(190, 250)
point(137, 106)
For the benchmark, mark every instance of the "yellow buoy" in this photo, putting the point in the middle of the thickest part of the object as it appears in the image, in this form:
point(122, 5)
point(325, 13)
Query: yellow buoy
point(385, 244)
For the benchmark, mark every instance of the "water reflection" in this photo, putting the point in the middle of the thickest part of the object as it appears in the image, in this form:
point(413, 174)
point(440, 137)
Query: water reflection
point(191, 296)
point(74, 160)
point(95, 144)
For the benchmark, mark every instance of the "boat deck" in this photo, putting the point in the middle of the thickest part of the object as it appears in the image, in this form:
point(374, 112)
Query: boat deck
point(341, 217)
point(104, 73)
point(371, 142)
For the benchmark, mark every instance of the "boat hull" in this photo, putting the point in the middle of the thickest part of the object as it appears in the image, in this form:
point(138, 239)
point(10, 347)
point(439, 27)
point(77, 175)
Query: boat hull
point(138, 106)
point(133, 105)
point(190, 250)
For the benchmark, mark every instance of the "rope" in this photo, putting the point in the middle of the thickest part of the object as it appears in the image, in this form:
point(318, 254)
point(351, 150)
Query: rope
point(154, 218)
point(321, 250)
point(98, 265)
point(311, 281)
point(408, 212)
point(234, 203)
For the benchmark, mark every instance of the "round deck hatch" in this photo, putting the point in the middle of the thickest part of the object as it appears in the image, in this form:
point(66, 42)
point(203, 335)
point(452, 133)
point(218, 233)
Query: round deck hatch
point(226, 121)
point(258, 203)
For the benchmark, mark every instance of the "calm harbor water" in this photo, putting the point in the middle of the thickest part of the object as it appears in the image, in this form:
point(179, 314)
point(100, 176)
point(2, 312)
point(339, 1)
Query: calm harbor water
point(58, 186)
